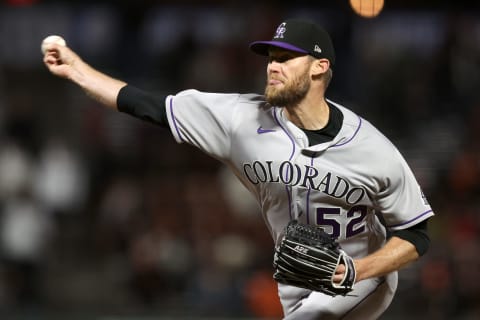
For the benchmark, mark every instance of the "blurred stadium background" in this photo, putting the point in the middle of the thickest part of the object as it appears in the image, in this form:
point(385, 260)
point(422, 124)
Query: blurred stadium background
point(103, 216)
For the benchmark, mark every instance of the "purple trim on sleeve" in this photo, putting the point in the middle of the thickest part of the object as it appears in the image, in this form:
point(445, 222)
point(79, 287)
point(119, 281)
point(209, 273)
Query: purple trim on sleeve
point(289, 193)
point(353, 136)
point(411, 220)
point(177, 129)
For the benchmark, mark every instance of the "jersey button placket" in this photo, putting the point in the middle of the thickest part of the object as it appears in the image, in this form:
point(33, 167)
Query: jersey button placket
point(297, 192)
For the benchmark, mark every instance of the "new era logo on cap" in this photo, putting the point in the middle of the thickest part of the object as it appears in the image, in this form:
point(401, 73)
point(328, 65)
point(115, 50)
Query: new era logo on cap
point(301, 36)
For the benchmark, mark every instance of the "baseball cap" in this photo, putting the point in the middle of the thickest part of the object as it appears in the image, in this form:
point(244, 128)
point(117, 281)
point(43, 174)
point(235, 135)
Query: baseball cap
point(300, 36)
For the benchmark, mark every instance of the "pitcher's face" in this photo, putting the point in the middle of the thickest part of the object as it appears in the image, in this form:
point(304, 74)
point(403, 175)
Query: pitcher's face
point(288, 77)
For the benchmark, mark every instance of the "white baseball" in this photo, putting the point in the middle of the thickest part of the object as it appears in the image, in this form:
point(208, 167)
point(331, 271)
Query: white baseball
point(52, 39)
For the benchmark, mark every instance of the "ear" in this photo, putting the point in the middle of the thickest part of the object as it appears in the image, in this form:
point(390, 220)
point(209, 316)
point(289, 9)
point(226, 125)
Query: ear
point(319, 67)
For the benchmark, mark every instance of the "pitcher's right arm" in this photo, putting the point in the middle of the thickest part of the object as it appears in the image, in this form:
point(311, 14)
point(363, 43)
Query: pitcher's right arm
point(65, 63)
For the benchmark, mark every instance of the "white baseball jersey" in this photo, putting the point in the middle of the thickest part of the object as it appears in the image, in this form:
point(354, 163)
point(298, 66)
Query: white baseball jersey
point(340, 185)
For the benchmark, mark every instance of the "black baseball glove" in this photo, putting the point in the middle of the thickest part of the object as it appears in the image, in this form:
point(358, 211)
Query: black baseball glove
point(307, 257)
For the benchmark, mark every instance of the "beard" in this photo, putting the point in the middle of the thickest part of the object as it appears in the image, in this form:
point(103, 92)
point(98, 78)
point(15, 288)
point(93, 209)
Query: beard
point(291, 94)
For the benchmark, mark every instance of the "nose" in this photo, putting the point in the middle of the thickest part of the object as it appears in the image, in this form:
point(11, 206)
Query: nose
point(273, 66)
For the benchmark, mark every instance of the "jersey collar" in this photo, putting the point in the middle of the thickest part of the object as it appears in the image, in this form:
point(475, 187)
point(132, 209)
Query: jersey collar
point(350, 128)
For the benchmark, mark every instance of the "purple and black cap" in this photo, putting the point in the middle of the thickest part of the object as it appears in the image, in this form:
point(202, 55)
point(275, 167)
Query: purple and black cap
point(300, 36)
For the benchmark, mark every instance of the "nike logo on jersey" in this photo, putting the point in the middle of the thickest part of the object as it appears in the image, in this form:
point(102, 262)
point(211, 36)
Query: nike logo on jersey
point(260, 130)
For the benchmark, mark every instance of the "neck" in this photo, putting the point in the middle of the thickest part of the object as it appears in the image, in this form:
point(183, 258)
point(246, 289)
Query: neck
point(310, 115)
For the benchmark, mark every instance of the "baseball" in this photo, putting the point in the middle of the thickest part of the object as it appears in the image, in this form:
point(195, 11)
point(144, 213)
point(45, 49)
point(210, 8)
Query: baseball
point(367, 8)
point(52, 39)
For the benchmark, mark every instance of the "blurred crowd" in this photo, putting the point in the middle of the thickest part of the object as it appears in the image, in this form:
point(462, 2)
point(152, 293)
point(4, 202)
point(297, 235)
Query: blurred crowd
point(102, 214)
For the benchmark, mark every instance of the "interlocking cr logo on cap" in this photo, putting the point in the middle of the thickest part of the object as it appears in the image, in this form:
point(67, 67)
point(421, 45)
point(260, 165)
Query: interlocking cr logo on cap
point(280, 31)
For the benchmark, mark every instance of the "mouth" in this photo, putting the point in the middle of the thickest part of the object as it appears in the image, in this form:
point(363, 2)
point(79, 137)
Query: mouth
point(274, 82)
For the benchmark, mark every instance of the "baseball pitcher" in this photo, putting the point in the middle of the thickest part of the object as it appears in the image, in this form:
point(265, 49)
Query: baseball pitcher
point(340, 202)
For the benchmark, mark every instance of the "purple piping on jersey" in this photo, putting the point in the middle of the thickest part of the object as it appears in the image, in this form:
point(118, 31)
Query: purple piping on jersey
point(308, 206)
point(353, 136)
point(308, 197)
point(290, 159)
point(411, 220)
point(335, 145)
point(175, 120)
point(368, 295)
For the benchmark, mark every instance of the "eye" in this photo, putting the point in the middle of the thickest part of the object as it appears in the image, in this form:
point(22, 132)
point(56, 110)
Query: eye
point(279, 58)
